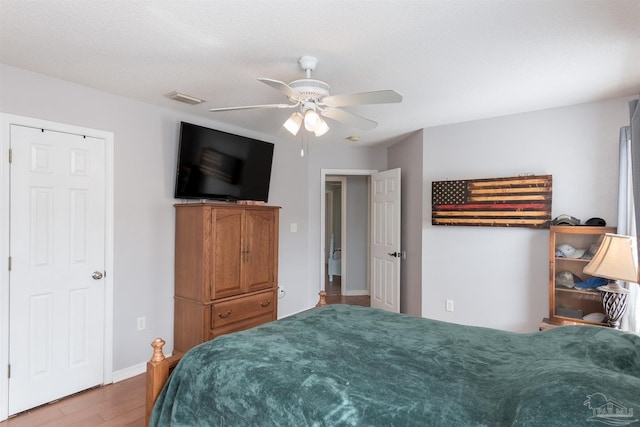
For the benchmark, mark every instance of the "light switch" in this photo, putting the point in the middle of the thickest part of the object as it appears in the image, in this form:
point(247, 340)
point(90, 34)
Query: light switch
point(294, 227)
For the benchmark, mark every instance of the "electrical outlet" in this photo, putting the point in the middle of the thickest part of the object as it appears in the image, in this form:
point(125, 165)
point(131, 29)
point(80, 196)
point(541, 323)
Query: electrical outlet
point(448, 306)
point(281, 292)
point(142, 323)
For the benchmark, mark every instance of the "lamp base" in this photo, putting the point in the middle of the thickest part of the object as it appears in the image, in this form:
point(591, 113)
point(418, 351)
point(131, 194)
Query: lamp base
point(614, 301)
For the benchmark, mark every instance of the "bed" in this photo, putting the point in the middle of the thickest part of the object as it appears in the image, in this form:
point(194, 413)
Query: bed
point(342, 365)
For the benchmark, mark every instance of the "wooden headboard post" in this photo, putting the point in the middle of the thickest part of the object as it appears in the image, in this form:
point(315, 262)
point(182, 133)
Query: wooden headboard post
point(158, 370)
point(323, 299)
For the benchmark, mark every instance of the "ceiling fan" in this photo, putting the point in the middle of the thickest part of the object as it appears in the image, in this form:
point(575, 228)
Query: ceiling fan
point(312, 98)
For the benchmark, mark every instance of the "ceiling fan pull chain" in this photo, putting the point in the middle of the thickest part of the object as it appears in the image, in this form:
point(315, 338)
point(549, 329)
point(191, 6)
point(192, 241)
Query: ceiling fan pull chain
point(302, 144)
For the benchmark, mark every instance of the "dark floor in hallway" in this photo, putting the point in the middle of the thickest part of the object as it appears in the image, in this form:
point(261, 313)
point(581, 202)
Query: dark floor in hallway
point(333, 288)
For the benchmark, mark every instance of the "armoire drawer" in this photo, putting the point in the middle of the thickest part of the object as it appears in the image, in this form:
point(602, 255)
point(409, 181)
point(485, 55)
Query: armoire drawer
point(238, 309)
point(240, 326)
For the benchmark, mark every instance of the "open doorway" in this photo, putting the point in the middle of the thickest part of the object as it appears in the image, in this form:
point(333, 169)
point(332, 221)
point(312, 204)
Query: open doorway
point(334, 239)
point(345, 229)
point(379, 212)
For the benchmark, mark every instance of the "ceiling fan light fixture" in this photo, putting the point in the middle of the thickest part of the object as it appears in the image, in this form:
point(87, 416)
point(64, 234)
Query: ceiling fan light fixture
point(293, 123)
point(322, 128)
point(312, 98)
point(311, 120)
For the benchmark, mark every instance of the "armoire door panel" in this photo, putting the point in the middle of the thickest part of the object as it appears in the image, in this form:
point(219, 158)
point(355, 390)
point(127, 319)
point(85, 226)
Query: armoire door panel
point(260, 245)
point(227, 253)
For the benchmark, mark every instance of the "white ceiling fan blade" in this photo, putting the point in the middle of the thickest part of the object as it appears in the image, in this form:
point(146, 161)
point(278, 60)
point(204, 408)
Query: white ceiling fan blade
point(282, 87)
point(349, 118)
point(249, 107)
point(362, 98)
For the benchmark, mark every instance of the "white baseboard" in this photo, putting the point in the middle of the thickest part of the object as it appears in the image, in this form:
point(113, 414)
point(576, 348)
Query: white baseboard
point(356, 293)
point(129, 372)
point(296, 312)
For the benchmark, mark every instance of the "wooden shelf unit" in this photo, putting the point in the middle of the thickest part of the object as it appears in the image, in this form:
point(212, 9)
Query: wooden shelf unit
point(564, 301)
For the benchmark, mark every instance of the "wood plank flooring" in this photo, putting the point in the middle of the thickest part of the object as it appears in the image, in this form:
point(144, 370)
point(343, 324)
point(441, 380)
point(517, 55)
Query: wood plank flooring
point(333, 289)
point(121, 404)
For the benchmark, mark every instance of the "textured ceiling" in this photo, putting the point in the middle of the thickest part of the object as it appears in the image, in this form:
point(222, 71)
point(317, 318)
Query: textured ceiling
point(452, 60)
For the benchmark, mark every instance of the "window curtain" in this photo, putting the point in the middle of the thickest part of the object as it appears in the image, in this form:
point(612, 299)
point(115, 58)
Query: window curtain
point(627, 221)
point(628, 215)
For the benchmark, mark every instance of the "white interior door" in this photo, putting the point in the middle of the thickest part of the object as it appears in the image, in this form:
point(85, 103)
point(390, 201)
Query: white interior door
point(385, 240)
point(57, 248)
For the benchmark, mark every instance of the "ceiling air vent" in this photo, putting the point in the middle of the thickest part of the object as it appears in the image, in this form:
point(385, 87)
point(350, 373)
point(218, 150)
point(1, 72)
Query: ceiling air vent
point(187, 99)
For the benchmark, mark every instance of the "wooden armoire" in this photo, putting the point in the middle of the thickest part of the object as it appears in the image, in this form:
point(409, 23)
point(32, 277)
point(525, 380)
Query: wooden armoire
point(226, 270)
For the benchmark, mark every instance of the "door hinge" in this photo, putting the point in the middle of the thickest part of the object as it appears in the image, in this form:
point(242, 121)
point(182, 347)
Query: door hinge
point(10, 155)
point(9, 370)
point(9, 263)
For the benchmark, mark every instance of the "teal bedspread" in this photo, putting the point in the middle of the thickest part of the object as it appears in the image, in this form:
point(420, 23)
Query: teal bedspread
point(353, 366)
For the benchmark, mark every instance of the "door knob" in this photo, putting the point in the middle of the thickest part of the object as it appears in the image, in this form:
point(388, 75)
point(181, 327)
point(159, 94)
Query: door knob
point(395, 254)
point(97, 275)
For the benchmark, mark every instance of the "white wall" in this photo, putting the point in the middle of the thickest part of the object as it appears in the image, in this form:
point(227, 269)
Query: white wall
point(498, 277)
point(357, 252)
point(337, 214)
point(145, 155)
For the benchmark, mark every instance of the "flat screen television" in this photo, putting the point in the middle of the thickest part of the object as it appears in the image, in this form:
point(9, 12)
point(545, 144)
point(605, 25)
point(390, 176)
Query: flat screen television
point(218, 165)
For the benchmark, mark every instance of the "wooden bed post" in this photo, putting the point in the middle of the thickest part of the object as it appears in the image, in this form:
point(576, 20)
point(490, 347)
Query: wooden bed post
point(323, 299)
point(157, 375)
point(158, 370)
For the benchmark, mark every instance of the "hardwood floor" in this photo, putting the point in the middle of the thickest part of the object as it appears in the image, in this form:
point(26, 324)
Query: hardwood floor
point(333, 289)
point(122, 404)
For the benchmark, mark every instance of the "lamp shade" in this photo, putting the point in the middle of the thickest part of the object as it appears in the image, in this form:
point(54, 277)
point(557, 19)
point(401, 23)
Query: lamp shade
point(311, 120)
point(293, 123)
point(616, 259)
point(322, 128)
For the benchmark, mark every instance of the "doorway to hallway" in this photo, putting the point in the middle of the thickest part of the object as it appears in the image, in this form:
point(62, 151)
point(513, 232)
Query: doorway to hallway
point(334, 294)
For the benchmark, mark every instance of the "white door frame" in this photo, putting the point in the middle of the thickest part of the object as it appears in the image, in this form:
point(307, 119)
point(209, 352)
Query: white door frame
point(323, 177)
point(6, 120)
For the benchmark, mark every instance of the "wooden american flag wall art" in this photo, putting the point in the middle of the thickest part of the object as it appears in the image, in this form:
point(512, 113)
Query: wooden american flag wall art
point(522, 201)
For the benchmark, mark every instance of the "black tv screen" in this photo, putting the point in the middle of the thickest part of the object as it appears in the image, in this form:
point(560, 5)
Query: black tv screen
point(222, 166)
